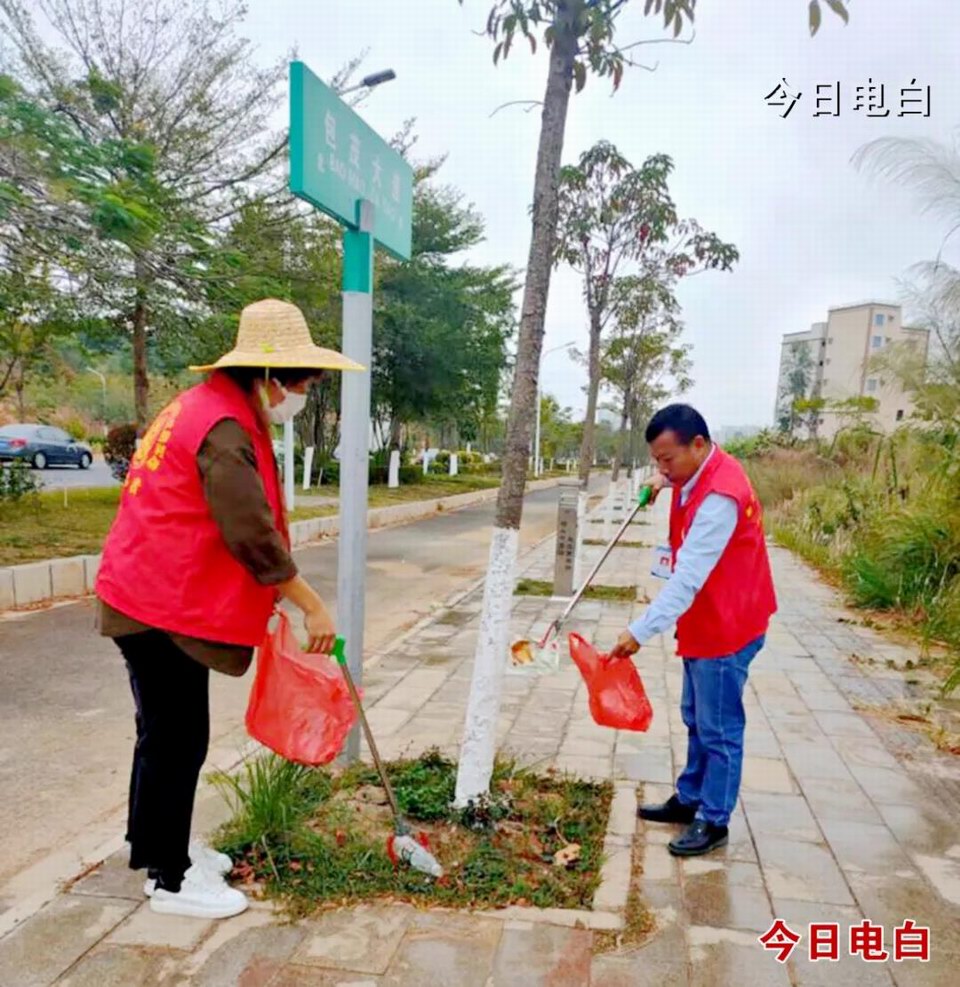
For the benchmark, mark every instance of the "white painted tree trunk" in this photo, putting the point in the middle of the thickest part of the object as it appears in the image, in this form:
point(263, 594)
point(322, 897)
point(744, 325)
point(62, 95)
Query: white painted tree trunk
point(393, 480)
point(308, 455)
point(479, 746)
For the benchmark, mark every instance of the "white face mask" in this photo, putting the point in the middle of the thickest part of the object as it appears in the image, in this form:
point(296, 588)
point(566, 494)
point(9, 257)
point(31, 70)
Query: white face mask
point(291, 405)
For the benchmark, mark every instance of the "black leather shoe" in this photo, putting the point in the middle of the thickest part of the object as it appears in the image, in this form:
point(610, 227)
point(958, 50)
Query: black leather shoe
point(700, 837)
point(671, 811)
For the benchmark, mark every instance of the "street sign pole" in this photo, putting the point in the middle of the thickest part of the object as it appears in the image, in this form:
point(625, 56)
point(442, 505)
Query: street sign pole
point(355, 444)
point(344, 168)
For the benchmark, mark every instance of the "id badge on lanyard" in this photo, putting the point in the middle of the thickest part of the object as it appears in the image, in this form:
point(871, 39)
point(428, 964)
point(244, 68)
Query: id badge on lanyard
point(662, 562)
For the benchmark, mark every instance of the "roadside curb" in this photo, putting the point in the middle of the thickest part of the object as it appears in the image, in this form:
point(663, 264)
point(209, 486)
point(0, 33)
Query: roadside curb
point(34, 584)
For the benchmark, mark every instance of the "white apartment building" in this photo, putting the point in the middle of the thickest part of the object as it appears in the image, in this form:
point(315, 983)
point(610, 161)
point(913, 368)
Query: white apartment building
point(834, 360)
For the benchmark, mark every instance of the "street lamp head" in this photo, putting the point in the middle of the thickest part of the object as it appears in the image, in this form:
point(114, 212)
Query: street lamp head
point(377, 78)
point(369, 81)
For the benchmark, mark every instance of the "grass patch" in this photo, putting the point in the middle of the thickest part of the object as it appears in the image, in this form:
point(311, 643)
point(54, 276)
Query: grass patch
point(620, 544)
point(434, 488)
point(600, 520)
point(315, 838)
point(48, 526)
point(540, 587)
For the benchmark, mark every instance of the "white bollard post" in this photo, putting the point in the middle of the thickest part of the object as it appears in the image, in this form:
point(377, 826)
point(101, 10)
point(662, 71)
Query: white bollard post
point(393, 480)
point(454, 468)
point(308, 466)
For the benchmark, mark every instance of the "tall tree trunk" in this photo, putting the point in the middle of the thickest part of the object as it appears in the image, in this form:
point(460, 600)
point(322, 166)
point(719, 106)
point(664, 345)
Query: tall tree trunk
point(483, 708)
point(622, 453)
point(593, 395)
point(141, 377)
point(396, 433)
point(19, 385)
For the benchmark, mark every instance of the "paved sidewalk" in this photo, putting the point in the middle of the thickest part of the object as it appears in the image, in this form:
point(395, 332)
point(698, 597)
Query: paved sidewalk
point(842, 817)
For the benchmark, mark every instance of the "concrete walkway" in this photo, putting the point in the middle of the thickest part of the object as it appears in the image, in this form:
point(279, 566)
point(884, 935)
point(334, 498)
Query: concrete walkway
point(842, 818)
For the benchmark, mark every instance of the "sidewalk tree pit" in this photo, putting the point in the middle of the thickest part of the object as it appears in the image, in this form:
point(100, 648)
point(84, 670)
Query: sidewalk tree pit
point(317, 838)
point(540, 587)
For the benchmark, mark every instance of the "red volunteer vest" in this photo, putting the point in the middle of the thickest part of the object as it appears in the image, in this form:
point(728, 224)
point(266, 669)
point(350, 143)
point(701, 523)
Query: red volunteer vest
point(735, 604)
point(165, 562)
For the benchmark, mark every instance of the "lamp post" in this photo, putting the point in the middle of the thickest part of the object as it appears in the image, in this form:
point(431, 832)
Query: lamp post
point(536, 441)
point(103, 400)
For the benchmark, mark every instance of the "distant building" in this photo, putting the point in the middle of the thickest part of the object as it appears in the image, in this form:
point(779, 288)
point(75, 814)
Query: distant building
point(832, 360)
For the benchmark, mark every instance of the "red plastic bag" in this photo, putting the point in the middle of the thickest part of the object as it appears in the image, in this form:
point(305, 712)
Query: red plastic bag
point(617, 696)
point(299, 705)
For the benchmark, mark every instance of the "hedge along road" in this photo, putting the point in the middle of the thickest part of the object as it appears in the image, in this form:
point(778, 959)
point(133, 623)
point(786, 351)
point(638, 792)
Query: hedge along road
point(66, 716)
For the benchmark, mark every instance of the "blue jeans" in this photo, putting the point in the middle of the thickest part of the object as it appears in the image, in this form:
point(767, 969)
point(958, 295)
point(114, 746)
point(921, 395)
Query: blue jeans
point(712, 711)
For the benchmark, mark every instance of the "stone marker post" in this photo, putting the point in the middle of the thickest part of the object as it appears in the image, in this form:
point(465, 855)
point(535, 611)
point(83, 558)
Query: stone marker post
point(568, 538)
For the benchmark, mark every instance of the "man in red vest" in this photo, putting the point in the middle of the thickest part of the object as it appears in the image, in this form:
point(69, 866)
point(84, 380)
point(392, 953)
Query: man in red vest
point(720, 595)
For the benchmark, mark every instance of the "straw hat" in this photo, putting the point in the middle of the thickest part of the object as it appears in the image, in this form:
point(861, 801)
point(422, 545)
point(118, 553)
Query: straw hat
point(274, 334)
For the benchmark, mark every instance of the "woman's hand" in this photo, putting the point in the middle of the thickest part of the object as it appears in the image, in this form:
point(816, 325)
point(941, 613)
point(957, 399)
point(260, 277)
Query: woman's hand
point(321, 632)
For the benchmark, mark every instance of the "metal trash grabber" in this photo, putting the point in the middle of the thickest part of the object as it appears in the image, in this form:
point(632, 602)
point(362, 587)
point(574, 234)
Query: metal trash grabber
point(403, 844)
point(526, 652)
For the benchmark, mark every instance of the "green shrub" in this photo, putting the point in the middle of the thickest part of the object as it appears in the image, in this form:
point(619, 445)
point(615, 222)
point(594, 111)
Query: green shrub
point(76, 428)
point(17, 481)
point(269, 798)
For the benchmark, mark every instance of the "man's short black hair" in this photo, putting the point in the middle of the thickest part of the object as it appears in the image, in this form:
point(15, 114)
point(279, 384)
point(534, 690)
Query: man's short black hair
point(685, 422)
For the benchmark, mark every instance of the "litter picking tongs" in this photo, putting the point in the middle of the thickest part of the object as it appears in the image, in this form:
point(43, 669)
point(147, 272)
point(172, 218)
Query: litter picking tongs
point(525, 652)
point(403, 845)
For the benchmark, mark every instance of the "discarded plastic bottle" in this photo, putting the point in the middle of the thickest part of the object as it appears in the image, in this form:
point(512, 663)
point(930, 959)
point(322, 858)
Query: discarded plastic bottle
point(411, 852)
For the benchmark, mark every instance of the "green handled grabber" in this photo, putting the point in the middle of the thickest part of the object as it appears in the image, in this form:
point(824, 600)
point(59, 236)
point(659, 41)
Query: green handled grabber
point(524, 652)
point(402, 845)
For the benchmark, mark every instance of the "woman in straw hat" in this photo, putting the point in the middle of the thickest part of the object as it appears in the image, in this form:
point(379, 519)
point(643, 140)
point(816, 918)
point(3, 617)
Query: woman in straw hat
point(192, 570)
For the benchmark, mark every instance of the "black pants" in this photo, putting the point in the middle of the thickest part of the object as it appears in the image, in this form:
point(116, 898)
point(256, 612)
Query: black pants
point(171, 692)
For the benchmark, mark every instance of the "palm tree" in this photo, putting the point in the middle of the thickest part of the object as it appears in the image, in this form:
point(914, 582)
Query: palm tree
point(932, 170)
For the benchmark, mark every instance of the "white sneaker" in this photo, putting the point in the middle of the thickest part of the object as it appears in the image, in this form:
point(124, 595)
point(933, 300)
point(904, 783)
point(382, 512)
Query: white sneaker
point(199, 897)
point(210, 859)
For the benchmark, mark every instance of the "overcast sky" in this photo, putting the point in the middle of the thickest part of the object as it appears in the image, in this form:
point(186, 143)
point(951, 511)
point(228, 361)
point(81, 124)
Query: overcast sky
point(811, 230)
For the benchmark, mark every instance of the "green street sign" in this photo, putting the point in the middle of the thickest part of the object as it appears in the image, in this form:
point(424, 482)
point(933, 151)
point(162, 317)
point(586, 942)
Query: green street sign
point(336, 160)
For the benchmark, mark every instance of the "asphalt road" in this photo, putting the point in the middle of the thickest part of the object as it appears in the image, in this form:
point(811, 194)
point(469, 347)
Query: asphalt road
point(71, 478)
point(66, 716)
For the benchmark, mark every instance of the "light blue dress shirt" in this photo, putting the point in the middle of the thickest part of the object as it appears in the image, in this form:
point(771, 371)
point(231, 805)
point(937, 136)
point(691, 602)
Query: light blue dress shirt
point(710, 533)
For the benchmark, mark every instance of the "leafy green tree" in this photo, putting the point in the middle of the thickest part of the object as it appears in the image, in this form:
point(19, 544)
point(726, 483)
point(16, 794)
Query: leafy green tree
point(169, 95)
point(796, 384)
point(440, 328)
point(643, 361)
point(613, 216)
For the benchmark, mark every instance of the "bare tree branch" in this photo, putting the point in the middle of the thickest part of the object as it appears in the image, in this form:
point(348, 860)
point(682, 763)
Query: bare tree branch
point(529, 103)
